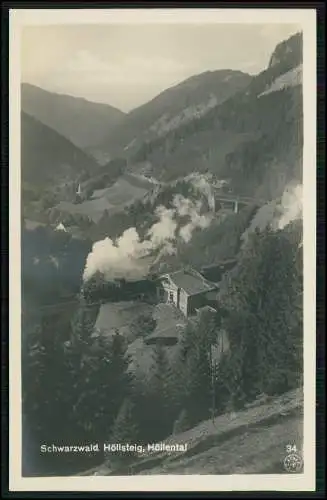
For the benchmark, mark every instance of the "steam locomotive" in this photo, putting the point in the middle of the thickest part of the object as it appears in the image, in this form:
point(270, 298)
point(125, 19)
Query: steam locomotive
point(119, 289)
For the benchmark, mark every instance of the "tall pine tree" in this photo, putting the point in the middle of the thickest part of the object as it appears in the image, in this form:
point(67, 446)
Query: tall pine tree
point(161, 408)
point(263, 298)
point(125, 431)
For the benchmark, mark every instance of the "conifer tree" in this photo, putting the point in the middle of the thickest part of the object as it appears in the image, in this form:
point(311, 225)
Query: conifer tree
point(162, 410)
point(264, 322)
point(125, 431)
point(47, 397)
point(101, 384)
point(121, 377)
point(182, 423)
point(197, 395)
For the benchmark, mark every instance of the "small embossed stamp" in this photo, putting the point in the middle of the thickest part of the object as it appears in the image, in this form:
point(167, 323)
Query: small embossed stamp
point(293, 463)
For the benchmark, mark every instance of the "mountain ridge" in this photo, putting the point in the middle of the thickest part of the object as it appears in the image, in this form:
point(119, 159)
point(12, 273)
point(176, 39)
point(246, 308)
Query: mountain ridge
point(193, 91)
point(78, 119)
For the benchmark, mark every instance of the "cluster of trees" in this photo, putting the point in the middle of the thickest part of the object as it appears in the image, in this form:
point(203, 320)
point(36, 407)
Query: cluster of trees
point(220, 241)
point(264, 315)
point(52, 263)
point(55, 216)
point(260, 321)
point(79, 388)
point(169, 142)
point(108, 174)
point(38, 201)
point(73, 386)
point(276, 143)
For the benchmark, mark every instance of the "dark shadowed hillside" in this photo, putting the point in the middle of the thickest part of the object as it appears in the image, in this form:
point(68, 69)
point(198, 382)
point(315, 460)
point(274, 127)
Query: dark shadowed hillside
point(47, 157)
point(83, 122)
point(174, 106)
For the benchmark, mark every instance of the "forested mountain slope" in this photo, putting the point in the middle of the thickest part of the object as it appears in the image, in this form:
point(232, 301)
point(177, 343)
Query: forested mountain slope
point(254, 138)
point(48, 158)
point(175, 106)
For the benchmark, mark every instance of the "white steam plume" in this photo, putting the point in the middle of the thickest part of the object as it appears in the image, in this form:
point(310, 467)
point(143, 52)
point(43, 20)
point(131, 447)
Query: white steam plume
point(202, 183)
point(118, 259)
point(277, 213)
point(193, 210)
point(129, 256)
point(164, 230)
point(291, 205)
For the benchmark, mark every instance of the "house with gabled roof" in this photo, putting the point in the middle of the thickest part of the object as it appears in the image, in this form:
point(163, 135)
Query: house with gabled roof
point(187, 290)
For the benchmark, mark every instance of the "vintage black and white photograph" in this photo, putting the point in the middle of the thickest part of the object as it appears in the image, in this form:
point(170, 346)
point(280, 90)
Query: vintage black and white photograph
point(162, 178)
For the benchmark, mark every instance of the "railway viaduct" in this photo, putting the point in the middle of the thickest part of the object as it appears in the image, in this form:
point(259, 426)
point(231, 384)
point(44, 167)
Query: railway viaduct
point(236, 202)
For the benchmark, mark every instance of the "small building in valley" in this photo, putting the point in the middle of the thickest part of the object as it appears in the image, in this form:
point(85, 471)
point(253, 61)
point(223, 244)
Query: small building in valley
point(186, 289)
point(61, 227)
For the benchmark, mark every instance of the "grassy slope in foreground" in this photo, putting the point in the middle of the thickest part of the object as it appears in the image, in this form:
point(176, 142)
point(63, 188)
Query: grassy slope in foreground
point(251, 441)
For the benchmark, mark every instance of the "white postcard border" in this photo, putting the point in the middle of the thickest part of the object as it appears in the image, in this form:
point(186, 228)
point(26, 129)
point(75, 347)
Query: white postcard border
point(306, 19)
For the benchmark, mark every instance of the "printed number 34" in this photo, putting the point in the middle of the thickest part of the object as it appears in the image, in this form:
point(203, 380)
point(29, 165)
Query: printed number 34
point(291, 448)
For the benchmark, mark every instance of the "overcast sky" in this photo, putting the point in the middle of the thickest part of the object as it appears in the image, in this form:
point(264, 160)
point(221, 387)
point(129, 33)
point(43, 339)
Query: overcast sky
point(128, 65)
